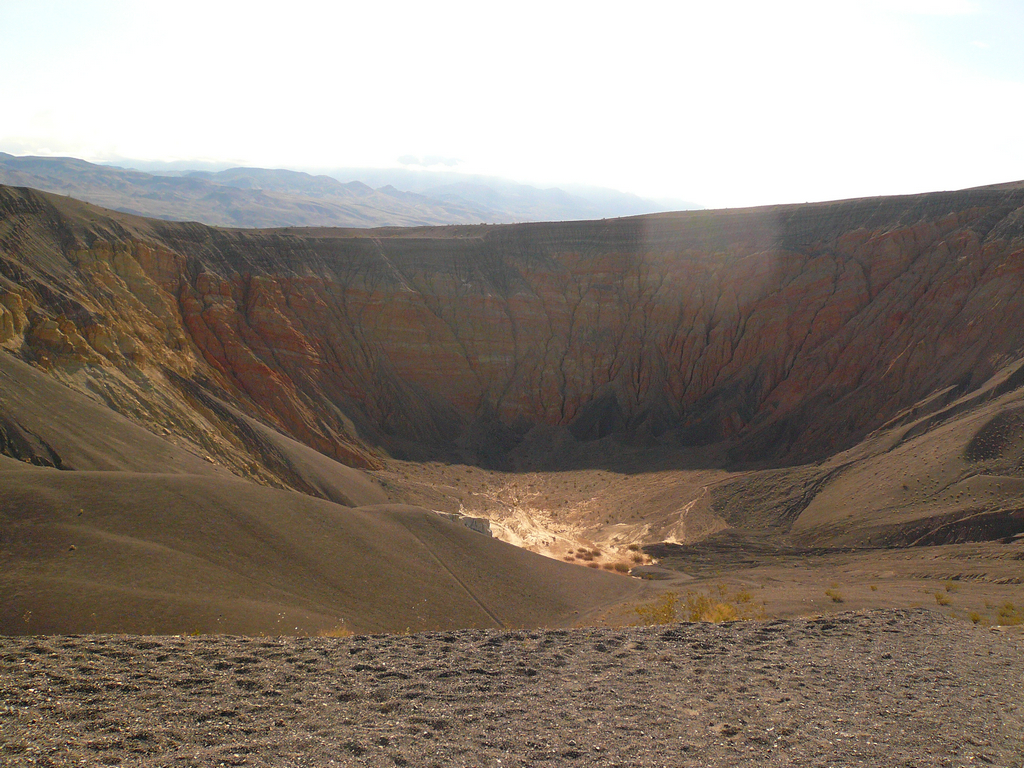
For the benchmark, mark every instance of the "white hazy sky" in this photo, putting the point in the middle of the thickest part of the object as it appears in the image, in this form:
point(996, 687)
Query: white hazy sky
point(723, 103)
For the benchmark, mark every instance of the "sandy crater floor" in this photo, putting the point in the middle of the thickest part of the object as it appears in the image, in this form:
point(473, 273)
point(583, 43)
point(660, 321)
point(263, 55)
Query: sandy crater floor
point(871, 688)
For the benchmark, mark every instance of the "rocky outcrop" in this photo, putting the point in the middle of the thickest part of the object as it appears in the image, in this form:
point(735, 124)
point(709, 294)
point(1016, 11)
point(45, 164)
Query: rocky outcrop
point(787, 331)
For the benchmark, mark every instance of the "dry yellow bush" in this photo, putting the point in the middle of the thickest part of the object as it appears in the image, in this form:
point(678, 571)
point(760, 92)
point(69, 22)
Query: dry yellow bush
point(714, 606)
point(1010, 615)
point(339, 631)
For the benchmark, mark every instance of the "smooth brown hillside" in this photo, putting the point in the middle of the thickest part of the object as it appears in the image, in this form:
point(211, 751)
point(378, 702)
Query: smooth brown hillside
point(159, 554)
point(44, 422)
point(136, 533)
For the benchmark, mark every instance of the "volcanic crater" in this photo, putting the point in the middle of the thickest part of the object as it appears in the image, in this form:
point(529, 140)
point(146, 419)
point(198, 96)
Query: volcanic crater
point(781, 412)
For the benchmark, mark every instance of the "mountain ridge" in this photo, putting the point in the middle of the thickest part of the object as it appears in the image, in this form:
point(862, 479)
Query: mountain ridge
point(259, 197)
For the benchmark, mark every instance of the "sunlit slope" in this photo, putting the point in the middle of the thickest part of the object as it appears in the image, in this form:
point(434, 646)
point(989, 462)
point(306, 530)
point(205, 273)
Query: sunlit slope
point(952, 473)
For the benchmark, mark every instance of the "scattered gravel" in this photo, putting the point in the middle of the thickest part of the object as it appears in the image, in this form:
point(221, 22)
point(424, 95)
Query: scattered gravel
point(889, 688)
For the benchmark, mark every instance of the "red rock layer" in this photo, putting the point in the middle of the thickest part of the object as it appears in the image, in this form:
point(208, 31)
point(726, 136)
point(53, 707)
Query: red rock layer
point(790, 330)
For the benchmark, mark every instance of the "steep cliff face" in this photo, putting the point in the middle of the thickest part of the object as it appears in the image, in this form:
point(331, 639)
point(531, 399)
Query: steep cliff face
point(790, 332)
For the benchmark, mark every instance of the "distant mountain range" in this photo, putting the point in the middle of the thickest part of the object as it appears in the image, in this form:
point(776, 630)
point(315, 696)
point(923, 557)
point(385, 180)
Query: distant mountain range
point(368, 197)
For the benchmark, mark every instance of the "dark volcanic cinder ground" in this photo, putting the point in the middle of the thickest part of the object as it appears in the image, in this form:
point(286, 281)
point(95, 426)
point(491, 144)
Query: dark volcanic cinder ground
point(876, 688)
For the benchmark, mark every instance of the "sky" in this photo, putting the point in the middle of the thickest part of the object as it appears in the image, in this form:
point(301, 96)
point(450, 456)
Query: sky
point(722, 103)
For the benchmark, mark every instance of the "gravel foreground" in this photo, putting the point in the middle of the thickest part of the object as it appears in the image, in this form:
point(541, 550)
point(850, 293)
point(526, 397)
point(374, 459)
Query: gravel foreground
point(880, 688)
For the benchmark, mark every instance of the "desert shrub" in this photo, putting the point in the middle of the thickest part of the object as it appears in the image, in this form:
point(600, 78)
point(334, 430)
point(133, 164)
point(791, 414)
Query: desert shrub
point(339, 631)
point(714, 606)
point(608, 567)
point(633, 547)
point(974, 616)
point(720, 612)
point(621, 567)
point(941, 599)
point(951, 586)
point(701, 607)
point(874, 588)
point(835, 594)
point(1010, 615)
point(593, 565)
point(636, 558)
point(661, 611)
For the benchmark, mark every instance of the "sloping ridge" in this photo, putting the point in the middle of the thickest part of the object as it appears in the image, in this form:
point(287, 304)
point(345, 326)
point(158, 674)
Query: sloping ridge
point(45, 423)
point(147, 537)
